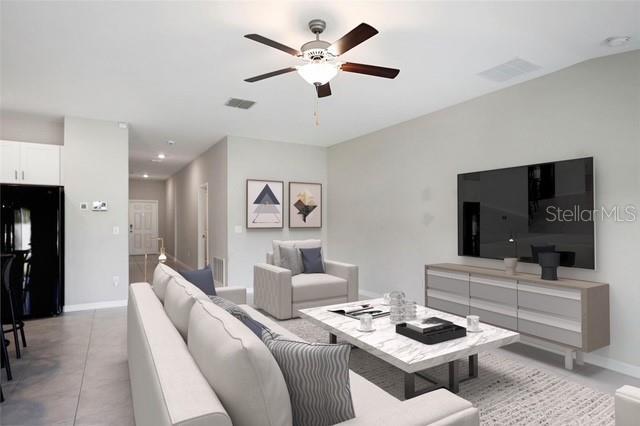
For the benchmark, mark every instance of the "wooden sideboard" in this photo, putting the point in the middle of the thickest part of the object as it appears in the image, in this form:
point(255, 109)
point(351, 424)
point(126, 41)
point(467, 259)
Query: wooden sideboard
point(570, 314)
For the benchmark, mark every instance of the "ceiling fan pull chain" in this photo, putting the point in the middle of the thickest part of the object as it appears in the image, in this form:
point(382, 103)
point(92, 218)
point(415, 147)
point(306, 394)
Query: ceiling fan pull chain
point(316, 114)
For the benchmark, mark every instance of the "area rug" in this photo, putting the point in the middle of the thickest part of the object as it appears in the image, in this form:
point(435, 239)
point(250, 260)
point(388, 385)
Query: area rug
point(507, 392)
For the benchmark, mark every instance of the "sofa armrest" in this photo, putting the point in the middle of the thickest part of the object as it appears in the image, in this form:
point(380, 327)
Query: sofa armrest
point(627, 401)
point(345, 271)
point(237, 295)
point(272, 290)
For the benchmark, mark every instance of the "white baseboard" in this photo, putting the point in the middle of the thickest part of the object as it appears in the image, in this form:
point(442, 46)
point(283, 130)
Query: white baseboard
point(96, 305)
point(613, 365)
point(369, 294)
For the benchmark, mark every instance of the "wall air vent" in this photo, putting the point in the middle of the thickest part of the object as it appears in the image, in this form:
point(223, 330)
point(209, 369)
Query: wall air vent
point(239, 103)
point(514, 68)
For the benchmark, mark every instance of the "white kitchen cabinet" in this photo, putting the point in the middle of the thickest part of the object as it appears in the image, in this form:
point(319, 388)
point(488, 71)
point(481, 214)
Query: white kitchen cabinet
point(29, 163)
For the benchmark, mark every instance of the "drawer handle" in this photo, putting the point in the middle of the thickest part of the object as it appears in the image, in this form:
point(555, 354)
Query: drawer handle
point(23, 175)
point(15, 172)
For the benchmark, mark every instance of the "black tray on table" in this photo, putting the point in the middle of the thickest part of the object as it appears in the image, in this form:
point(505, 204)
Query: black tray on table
point(431, 337)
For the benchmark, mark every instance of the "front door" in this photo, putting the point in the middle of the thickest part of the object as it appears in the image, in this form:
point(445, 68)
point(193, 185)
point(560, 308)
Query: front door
point(143, 226)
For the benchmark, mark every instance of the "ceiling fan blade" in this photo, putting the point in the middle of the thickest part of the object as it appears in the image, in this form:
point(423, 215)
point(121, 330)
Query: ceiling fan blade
point(323, 90)
point(370, 70)
point(274, 44)
point(353, 38)
point(269, 74)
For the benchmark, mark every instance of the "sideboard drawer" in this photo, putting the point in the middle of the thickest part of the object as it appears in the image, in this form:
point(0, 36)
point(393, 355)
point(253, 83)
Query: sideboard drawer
point(453, 304)
point(450, 282)
point(500, 291)
point(561, 302)
point(495, 318)
point(549, 327)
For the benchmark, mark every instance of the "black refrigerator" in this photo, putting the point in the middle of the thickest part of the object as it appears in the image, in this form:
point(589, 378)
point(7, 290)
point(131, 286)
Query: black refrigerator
point(32, 229)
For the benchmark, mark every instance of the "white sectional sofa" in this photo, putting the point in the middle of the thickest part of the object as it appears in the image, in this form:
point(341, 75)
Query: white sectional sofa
point(191, 363)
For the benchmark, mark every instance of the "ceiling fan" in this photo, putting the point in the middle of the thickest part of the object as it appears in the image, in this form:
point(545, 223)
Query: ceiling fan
point(320, 57)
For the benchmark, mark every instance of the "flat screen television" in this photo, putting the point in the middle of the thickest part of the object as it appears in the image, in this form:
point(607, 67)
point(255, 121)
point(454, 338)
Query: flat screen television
point(522, 211)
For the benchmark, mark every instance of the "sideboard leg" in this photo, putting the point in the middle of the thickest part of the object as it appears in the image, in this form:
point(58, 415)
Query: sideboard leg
point(579, 357)
point(568, 359)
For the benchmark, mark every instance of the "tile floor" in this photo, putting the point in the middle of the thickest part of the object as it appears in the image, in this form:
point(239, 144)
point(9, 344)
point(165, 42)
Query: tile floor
point(75, 372)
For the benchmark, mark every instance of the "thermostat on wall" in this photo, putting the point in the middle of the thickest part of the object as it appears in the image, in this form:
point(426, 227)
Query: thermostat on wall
point(99, 206)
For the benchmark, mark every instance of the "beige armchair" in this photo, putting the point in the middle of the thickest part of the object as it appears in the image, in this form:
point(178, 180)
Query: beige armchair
point(280, 294)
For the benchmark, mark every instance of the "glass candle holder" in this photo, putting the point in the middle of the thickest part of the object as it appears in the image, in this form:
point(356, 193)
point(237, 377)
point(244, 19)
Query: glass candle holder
point(366, 322)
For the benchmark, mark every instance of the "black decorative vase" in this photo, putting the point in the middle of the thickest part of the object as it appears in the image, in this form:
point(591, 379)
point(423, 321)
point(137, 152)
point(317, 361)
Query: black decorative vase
point(549, 261)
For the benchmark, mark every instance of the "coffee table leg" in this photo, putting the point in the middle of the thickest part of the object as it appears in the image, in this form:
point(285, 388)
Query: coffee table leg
point(409, 385)
point(454, 385)
point(473, 365)
point(333, 338)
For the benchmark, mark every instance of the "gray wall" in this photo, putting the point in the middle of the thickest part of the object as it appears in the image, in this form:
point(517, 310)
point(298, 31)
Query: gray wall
point(27, 127)
point(393, 192)
point(146, 189)
point(260, 159)
point(95, 166)
point(182, 204)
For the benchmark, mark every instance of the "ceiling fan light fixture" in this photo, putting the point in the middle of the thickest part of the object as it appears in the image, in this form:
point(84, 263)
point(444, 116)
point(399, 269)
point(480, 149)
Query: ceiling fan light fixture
point(318, 73)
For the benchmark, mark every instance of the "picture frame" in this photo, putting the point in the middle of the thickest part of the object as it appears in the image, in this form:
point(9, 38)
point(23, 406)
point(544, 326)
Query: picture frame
point(264, 204)
point(305, 205)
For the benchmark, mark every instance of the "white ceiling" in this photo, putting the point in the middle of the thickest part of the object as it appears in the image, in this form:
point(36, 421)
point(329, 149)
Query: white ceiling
point(167, 68)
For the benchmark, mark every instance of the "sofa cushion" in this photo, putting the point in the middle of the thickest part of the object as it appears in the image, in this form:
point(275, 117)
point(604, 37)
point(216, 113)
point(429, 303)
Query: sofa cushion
point(317, 286)
point(161, 276)
point(178, 301)
point(310, 243)
point(291, 259)
point(312, 260)
point(201, 278)
point(317, 377)
point(239, 367)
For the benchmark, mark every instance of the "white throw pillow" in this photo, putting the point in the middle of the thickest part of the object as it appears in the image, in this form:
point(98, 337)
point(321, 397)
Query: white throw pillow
point(239, 367)
point(178, 301)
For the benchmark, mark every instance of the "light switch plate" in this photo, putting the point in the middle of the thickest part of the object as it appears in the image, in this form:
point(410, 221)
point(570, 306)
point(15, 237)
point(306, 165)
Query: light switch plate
point(116, 230)
point(238, 229)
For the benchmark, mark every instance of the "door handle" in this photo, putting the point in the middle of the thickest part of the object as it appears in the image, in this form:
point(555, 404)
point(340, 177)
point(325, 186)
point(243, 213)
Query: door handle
point(131, 228)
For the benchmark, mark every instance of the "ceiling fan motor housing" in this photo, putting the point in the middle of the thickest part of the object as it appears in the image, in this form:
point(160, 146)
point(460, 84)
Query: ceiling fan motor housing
point(316, 51)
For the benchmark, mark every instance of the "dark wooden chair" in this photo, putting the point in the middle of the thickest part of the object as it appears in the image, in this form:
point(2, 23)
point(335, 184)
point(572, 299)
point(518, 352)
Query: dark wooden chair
point(12, 302)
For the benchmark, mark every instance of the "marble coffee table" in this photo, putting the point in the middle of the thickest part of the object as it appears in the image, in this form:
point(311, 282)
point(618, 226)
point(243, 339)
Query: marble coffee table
point(407, 354)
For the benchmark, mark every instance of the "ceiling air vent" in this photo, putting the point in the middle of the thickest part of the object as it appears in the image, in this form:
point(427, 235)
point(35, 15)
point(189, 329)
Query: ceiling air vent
point(239, 103)
point(514, 68)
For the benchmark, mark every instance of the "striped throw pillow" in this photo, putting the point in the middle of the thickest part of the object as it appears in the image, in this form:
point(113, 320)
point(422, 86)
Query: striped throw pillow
point(317, 377)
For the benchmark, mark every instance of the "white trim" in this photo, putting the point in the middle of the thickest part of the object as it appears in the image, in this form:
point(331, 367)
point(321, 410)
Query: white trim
point(565, 294)
point(613, 364)
point(494, 282)
point(449, 297)
point(461, 276)
point(369, 294)
point(95, 305)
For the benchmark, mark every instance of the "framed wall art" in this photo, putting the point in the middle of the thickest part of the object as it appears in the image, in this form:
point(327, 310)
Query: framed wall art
point(265, 206)
point(305, 205)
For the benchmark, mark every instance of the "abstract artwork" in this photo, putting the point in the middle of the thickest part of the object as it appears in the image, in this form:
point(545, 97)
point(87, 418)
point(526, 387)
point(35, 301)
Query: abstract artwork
point(305, 205)
point(264, 204)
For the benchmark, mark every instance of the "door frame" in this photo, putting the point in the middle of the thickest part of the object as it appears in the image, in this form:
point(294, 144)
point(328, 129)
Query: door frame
point(155, 231)
point(203, 225)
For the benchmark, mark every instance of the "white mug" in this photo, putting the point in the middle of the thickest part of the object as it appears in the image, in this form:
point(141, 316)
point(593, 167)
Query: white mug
point(473, 323)
point(366, 322)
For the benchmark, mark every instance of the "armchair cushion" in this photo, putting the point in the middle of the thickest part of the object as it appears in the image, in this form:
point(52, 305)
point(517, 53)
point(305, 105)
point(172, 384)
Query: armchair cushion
point(317, 286)
point(311, 243)
point(312, 260)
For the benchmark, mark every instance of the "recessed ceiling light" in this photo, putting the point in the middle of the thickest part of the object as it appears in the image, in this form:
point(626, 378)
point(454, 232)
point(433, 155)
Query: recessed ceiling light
point(171, 142)
point(145, 175)
point(162, 156)
point(617, 41)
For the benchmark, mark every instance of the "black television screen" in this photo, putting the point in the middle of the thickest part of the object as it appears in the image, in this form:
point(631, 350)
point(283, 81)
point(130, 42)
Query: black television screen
point(522, 211)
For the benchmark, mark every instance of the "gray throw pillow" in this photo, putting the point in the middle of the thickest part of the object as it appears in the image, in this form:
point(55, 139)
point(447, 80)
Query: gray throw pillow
point(317, 377)
point(312, 260)
point(290, 259)
point(256, 327)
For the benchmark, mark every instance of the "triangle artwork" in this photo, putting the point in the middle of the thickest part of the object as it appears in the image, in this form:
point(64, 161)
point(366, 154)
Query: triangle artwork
point(267, 208)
